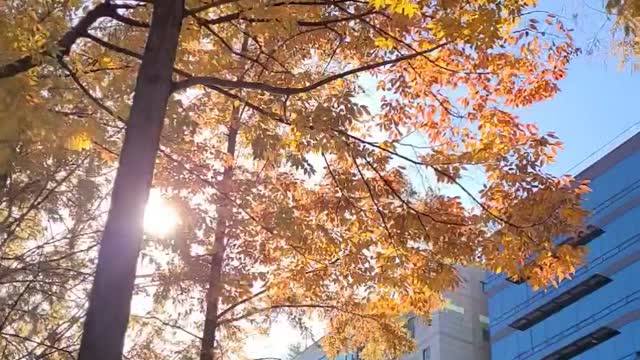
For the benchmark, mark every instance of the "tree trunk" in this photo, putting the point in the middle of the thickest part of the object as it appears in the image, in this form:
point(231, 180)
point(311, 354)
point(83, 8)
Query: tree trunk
point(110, 298)
point(224, 209)
point(223, 213)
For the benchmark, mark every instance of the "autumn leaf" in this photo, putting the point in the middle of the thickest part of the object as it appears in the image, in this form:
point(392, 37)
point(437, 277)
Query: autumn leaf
point(78, 142)
point(297, 198)
point(384, 43)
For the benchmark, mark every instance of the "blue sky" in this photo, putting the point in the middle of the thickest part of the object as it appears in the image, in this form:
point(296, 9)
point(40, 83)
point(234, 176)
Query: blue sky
point(597, 99)
point(597, 102)
point(595, 109)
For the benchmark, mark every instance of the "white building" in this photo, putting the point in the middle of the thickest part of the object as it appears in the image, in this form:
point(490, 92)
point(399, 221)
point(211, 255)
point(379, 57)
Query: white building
point(460, 332)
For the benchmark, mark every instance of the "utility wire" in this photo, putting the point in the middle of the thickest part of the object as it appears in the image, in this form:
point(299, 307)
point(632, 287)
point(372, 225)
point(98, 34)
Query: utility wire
point(627, 129)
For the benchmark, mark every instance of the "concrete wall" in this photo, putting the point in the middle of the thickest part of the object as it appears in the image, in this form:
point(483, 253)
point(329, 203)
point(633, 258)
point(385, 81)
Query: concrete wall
point(461, 334)
point(313, 352)
point(455, 333)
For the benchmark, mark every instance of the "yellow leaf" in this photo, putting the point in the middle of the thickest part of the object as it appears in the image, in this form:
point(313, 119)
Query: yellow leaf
point(378, 4)
point(79, 142)
point(105, 61)
point(406, 8)
point(384, 43)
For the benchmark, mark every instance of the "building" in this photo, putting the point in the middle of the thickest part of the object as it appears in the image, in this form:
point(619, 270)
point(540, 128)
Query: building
point(596, 314)
point(460, 332)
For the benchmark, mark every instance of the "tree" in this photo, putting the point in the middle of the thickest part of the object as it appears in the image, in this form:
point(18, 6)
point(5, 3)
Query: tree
point(300, 198)
point(51, 215)
point(627, 20)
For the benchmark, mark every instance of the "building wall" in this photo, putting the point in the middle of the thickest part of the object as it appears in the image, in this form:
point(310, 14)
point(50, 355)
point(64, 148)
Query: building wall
point(313, 352)
point(455, 333)
point(461, 334)
point(615, 254)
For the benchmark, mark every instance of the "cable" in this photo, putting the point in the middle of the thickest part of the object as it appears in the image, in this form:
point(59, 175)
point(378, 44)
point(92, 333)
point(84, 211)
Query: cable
point(604, 205)
point(603, 146)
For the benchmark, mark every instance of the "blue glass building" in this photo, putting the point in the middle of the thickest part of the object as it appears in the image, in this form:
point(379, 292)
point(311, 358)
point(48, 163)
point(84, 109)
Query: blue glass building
point(596, 315)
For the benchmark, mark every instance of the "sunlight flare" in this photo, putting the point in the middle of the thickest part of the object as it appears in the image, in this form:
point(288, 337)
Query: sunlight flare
point(160, 219)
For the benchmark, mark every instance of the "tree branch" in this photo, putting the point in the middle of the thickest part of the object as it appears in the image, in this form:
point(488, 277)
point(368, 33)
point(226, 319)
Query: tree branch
point(241, 302)
point(298, 306)
point(112, 47)
point(406, 203)
point(105, 9)
point(240, 54)
point(373, 198)
point(234, 84)
point(206, 7)
point(40, 343)
point(128, 21)
point(165, 323)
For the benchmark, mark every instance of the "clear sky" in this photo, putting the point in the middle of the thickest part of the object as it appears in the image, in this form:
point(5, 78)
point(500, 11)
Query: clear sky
point(594, 112)
point(597, 99)
point(596, 104)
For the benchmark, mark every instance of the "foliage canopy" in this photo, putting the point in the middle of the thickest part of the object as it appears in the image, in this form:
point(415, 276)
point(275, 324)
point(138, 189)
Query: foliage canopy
point(627, 19)
point(296, 198)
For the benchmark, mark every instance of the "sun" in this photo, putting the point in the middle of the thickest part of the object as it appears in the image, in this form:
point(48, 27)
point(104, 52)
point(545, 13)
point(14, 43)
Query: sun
point(160, 219)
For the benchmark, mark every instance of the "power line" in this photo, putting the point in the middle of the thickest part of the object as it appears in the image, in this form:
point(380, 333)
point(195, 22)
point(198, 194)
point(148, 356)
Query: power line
point(603, 146)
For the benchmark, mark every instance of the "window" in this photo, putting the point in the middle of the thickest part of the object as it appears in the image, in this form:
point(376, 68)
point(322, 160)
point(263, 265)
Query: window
point(484, 325)
point(486, 336)
point(584, 237)
point(410, 325)
point(561, 301)
point(426, 353)
point(455, 314)
point(453, 307)
point(515, 279)
point(356, 355)
point(583, 344)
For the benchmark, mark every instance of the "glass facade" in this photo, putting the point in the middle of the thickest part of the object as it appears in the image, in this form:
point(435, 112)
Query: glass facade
point(596, 315)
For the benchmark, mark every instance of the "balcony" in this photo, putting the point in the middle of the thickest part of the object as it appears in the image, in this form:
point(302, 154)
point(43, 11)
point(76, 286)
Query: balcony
point(565, 299)
point(583, 238)
point(618, 306)
point(628, 243)
point(583, 344)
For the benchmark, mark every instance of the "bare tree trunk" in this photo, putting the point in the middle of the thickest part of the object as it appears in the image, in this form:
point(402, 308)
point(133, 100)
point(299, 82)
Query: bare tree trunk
point(110, 298)
point(223, 213)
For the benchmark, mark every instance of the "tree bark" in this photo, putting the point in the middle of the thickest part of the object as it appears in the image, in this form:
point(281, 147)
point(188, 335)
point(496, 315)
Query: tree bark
point(223, 214)
point(110, 298)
